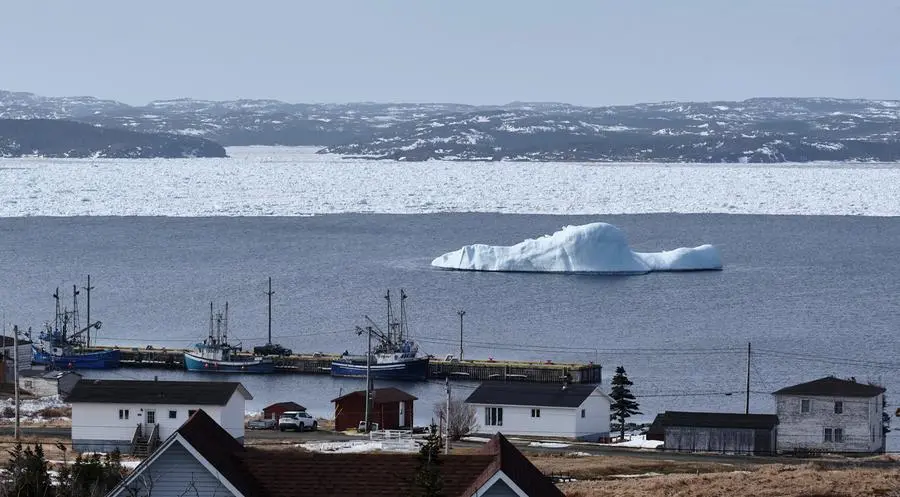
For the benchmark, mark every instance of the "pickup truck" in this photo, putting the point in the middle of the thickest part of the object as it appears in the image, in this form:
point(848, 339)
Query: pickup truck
point(297, 420)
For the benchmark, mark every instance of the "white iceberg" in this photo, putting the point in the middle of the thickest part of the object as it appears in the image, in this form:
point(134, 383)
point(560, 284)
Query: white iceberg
point(598, 248)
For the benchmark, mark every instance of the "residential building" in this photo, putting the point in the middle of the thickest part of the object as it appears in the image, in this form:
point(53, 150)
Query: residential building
point(831, 415)
point(128, 415)
point(731, 433)
point(392, 409)
point(275, 411)
point(43, 383)
point(22, 354)
point(201, 458)
point(577, 411)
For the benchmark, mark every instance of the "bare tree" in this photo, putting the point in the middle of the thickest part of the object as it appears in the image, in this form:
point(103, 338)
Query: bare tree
point(462, 418)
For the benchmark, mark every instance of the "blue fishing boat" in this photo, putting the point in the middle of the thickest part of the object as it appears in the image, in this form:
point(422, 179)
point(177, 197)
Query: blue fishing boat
point(63, 343)
point(216, 355)
point(395, 356)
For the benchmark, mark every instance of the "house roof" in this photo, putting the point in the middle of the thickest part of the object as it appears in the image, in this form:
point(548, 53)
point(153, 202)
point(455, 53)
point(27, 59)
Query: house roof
point(156, 392)
point(711, 420)
point(381, 396)
point(287, 406)
point(531, 394)
point(260, 472)
point(832, 387)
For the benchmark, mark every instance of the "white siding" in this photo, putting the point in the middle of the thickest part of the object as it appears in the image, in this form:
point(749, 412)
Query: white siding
point(860, 422)
point(175, 473)
point(96, 421)
point(232, 417)
point(596, 416)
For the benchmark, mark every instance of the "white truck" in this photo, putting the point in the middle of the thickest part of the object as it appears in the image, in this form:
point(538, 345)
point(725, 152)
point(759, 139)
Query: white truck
point(297, 420)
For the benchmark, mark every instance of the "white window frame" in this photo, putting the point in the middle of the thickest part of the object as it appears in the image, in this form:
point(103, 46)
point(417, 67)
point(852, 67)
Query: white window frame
point(839, 407)
point(123, 414)
point(807, 403)
point(493, 416)
point(535, 413)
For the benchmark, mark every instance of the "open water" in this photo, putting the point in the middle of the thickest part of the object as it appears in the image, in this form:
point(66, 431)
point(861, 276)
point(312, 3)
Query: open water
point(814, 295)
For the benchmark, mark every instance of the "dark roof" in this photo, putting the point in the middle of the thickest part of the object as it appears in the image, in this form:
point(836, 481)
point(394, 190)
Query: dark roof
point(219, 448)
point(531, 394)
point(9, 341)
point(381, 396)
point(287, 406)
point(286, 473)
point(155, 392)
point(832, 387)
point(711, 420)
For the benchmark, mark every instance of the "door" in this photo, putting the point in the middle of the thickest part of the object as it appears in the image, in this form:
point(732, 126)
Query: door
point(402, 423)
point(149, 419)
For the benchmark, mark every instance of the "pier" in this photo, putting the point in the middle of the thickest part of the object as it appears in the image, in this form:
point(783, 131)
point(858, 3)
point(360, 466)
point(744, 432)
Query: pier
point(468, 370)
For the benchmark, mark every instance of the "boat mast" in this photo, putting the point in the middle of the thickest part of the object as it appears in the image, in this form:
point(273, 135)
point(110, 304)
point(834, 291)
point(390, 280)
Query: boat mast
point(225, 328)
point(269, 293)
point(210, 323)
point(75, 324)
point(88, 289)
point(390, 325)
point(402, 315)
point(56, 323)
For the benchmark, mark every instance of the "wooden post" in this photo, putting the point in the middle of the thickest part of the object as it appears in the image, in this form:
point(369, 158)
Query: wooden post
point(16, 377)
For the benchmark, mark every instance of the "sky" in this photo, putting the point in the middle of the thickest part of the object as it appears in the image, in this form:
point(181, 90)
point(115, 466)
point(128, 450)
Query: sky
point(587, 52)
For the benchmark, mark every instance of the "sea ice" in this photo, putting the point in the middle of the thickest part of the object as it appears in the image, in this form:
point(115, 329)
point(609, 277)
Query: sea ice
point(590, 248)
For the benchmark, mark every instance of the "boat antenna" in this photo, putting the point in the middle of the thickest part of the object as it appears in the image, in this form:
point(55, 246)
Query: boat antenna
point(210, 323)
point(225, 331)
point(390, 331)
point(269, 294)
point(75, 324)
point(56, 322)
point(403, 325)
point(88, 289)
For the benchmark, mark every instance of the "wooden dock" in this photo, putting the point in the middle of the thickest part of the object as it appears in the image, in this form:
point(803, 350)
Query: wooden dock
point(476, 370)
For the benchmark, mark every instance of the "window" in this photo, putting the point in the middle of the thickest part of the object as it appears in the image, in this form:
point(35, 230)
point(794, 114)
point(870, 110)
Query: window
point(804, 406)
point(535, 413)
point(191, 412)
point(582, 413)
point(838, 407)
point(173, 414)
point(493, 416)
point(123, 413)
point(835, 435)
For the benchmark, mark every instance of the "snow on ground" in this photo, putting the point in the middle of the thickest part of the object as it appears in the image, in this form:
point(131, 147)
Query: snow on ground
point(590, 248)
point(266, 181)
point(639, 442)
point(355, 446)
point(549, 445)
point(30, 407)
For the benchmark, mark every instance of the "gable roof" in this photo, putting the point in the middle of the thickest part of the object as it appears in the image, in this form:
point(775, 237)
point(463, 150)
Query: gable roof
point(712, 420)
point(532, 394)
point(381, 396)
point(287, 406)
point(832, 387)
point(286, 473)
point(156, 392)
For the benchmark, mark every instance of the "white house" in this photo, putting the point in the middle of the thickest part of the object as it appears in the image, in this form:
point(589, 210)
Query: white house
point(42, 383)
point(542, 409)
point(115, 414)
point(202, 459)
point(830, 414)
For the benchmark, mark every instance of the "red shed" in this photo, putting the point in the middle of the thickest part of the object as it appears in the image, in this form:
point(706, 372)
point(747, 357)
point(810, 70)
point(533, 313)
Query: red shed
point(275, 411)
point(392, 409)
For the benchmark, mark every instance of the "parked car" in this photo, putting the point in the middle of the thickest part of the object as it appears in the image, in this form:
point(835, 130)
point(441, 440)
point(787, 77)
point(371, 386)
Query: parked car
point(297, 420)
point(262, 424)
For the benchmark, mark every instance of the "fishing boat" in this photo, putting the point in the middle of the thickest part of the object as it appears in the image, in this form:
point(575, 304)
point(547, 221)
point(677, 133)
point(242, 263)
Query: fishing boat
point(216, 355)
point(395, 356)
point(62, 344)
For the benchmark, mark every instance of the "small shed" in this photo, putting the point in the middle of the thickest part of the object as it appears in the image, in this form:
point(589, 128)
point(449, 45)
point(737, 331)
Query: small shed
point(716, 432)
point(275, 410)
point(42, 383)
point(392, 409)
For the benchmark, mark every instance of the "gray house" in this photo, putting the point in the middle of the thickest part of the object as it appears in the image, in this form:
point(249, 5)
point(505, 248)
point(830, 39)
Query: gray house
point(201, 458)
point(42, 383)
point(731, 433)
point(830, 415)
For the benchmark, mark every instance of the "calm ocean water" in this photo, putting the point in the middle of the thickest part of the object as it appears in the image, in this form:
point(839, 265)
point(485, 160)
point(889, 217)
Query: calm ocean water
point(814, 295)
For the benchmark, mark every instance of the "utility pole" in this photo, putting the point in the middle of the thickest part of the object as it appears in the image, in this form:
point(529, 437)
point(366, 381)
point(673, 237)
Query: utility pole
point(447, 445)
point(747, 405)
point(16, 376)
point(368, 377)
point(88, 289)
point(269, 293)
point(461, 314)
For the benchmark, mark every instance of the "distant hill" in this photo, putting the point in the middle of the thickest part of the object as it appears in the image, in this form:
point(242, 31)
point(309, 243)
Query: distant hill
point(754, 130)
point(62, 138)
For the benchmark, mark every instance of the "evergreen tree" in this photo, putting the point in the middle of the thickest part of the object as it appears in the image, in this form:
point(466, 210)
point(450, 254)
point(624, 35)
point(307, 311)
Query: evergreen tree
point(624, 405)
point(428, 475)
point(30, 472)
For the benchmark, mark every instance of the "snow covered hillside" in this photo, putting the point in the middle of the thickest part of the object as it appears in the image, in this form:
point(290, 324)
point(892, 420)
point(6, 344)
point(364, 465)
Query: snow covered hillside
point(754, 130)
